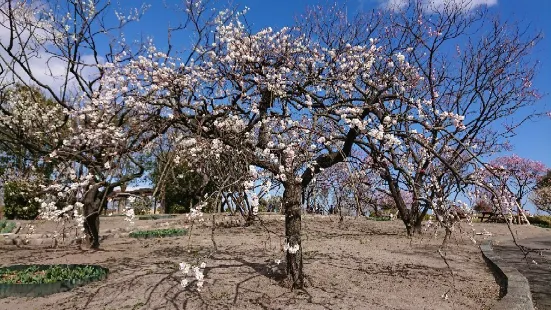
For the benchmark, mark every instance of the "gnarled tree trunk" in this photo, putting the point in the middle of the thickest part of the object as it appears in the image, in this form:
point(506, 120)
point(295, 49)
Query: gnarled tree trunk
point(292, 207)
point(418, 227)
point(94, 201)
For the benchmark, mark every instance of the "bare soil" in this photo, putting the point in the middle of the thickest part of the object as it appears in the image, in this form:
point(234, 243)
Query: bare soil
point(358, 264)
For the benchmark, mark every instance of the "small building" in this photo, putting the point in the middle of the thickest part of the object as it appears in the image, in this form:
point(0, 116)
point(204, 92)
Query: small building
point(118, 200)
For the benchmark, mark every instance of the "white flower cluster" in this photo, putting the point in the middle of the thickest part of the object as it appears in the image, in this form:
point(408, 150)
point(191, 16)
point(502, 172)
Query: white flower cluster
point(291, 249)
point(196, 212)
point(198, 274)
point(129, 215)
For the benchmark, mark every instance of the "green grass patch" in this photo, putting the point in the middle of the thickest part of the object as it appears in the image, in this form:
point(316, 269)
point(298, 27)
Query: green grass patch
point(158, 233)
point(6, 226)
point(49, 274)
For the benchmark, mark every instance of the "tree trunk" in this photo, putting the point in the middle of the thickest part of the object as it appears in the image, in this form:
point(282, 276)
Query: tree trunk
point(91, 228)
point(418, 227)
point(447, 237)
point(409, 228)
point(405, 213)
point(250, 214)
point(292, 207)
point(92, 209)
point(375, 211)
point(519, 212)
point(94, 201)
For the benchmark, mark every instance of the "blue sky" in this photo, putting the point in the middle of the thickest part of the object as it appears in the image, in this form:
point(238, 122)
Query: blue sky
point(532, 140)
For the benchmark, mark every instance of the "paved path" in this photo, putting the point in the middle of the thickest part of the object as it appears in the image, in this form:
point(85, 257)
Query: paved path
point(538, 275)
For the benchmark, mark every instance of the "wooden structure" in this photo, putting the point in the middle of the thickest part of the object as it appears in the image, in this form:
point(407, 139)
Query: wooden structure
point(119, 198)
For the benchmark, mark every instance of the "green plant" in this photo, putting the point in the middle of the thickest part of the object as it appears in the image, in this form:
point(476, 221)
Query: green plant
point(177, 209)
point(183, 186)
point(49, 274)
point(18, 201)
point(6, 226)
point(158, 233)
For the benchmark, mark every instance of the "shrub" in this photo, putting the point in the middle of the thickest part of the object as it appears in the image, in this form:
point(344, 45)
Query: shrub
point(142, 206)
point(483, 206)
point(18, 201)
point(542, 221)
point(177, 209)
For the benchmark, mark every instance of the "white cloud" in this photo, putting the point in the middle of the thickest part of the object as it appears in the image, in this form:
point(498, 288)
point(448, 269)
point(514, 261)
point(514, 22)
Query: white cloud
point(43, 58)
point(436, 4)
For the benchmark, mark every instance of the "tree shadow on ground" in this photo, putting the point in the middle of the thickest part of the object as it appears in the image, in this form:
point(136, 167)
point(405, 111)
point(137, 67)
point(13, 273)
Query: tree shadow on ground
point(165, 292)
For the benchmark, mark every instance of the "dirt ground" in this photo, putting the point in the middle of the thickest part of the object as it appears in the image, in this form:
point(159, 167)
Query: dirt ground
point(359, 264)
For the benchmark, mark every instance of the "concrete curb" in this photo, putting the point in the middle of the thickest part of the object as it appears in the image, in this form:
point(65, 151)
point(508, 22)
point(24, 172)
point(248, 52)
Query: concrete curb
point(517, 290)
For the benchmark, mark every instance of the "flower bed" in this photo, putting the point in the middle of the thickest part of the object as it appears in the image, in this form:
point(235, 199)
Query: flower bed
point(156, 216)
point(6, 226)
point(41, 280)
point(158, 233)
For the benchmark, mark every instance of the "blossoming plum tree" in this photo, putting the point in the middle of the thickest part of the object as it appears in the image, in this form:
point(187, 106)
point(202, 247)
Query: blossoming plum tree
point(415, 93)
point(298, 100)
point(279, 98)
point(87, 132)
point(521, 175)
point(513, 176)
point(442, 119)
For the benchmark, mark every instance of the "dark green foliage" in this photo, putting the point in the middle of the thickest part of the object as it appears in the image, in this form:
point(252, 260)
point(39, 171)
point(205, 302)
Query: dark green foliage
point(183, 187)
point(55, 273)
point(159, 233)
point(483, 206)
point(19, 202)
point(272, 204)
point(541, 221)
point(6, 227)
point(545, 181)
